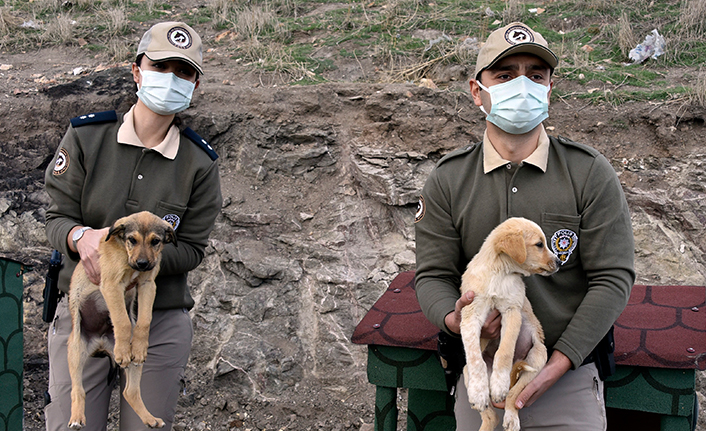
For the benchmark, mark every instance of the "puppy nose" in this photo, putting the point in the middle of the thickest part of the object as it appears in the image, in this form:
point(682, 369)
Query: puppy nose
point(143, 264)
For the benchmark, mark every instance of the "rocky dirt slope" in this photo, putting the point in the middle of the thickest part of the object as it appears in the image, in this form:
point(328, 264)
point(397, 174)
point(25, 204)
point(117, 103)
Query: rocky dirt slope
point(320, 186)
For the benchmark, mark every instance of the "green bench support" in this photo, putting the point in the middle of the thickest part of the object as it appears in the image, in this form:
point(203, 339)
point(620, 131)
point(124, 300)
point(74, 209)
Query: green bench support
point(11, 343)
point(428, 406)
point(660, 342)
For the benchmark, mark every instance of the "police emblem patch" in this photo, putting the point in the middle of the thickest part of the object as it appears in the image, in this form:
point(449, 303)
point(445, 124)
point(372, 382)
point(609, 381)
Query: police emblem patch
point(62, 162)
point(421, 210)
point(518, 34)
point(173, 220)
point(564, 242)
point(179, 37)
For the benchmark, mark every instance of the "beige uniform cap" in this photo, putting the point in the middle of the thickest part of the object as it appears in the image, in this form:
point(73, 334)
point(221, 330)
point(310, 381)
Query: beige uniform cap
point(514, 38)
point(172, 41)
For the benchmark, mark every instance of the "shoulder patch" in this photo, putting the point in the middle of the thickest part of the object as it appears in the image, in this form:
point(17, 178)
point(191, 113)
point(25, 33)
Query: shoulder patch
point(95, 118)
point(456, 153)
point(201, 142)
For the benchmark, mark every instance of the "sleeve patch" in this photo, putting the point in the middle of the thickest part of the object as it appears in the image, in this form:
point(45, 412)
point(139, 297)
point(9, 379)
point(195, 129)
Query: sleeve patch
point(421, 210)
point(62, 162)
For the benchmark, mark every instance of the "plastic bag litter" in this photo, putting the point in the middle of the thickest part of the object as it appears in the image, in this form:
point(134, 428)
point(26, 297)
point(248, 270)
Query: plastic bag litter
point(653, 47)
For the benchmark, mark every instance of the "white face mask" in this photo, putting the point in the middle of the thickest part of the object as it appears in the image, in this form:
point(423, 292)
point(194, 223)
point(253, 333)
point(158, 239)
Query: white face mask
point(165, 93)
point(518, 106)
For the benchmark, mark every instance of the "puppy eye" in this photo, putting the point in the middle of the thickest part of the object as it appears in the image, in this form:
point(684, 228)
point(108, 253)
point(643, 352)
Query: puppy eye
point(132, 240)
point(540, 244)
point(156, 241)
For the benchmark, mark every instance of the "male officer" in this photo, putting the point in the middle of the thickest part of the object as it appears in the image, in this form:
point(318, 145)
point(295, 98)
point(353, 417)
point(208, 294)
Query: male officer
point(570, 190)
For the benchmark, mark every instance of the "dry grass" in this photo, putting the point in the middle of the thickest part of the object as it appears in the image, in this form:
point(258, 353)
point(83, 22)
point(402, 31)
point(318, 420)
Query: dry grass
point(118, 49)
point(626, 37)
point(47, 5)
point(699, 91)
point(253, 21)
point(116, 20)
point(273, 57)
point(692, 19)
point(221, 11)
point(59, 30)
point(514, 9)
point(8, 23)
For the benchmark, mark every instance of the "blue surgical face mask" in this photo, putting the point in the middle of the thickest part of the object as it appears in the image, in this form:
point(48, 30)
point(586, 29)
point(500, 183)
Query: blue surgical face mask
point(518, 106)
point(165, 93)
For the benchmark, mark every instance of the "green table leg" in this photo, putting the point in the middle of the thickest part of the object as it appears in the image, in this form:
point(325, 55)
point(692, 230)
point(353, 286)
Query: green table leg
point(675, 423)
point(385, 408)
point(430, 411)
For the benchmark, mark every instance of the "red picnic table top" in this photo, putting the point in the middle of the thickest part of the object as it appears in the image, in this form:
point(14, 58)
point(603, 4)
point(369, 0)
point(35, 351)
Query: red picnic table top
point(662, 326)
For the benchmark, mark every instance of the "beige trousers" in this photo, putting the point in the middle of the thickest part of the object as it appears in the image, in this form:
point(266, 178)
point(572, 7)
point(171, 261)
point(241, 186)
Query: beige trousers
point(574, 403)
point(171, 332)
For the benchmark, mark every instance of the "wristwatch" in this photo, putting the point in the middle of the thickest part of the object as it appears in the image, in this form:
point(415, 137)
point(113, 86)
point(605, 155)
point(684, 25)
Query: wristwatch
point(79, 234)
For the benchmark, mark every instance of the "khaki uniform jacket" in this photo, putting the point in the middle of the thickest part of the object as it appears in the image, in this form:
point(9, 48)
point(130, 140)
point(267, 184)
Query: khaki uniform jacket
point(94, 181)
point(579, 204)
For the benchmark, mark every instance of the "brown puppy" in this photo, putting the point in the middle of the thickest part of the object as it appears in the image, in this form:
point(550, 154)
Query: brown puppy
point(102, 316)
point(516, 248)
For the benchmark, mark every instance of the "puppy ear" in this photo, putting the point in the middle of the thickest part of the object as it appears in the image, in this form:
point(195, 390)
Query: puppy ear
point(512, 243)
point(116, 230)
point(170, 236)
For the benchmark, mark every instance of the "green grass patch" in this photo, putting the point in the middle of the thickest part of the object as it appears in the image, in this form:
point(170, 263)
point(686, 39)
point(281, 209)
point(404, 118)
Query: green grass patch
point(584, 33)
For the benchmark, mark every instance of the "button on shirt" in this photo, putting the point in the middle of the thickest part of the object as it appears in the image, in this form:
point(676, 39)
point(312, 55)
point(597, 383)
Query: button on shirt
point(492, 159)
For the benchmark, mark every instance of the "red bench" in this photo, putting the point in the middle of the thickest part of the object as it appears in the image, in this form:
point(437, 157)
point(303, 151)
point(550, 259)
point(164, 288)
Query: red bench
point(660, 342)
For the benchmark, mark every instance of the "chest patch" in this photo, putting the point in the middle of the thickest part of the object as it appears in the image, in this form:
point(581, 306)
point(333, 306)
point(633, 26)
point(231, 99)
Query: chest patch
point(564, 243)
point(62, 162)
point(173, 220)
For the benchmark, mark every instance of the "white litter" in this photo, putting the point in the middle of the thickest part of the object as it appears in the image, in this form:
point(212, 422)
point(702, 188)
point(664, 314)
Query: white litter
point(652, 47)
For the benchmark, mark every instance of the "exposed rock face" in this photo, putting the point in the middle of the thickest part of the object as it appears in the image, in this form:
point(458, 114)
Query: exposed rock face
point(320, 186)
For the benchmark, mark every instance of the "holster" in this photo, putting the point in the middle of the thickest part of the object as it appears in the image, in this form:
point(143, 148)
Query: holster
point(453, 359)
point(52, 295)
point(604, 357)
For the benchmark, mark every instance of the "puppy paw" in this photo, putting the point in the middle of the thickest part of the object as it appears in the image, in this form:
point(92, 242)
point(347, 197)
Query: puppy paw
point(511, 421)
point(153, 422)
point(478, 401)
point(77, 422)
point(139, 351)
point(499, 386)
point(122, 355)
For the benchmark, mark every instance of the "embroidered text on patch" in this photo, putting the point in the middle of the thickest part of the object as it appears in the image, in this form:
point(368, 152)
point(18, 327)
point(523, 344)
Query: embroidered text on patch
point(62, 162)
point(564, 242)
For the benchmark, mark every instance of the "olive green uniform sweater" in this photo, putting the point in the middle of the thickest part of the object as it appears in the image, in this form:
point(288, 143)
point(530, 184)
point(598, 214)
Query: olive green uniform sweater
point(579, 204)
point(94, 181)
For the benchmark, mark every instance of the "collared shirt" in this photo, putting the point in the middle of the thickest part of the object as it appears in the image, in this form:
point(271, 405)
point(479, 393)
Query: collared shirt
point(101, 181)
point(127, 135)
point(578, 202)
point(538, 158)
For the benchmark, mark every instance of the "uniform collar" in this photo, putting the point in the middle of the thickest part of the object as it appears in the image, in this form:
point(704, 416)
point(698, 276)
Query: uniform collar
point(127, 135)
point(539, 158)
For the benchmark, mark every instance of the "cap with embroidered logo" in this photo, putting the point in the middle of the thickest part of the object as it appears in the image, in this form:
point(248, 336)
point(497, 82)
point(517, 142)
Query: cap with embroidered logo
point(514, 38)
point(172, 41)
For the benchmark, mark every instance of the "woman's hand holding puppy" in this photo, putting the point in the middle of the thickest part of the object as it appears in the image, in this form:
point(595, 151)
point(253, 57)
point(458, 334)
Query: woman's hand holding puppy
point(87, 248)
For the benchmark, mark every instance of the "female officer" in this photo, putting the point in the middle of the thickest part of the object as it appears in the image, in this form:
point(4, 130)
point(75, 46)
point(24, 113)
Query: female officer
point(110, 165)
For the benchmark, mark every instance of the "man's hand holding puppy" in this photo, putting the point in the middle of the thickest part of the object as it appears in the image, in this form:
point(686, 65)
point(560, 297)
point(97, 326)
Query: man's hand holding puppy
point(557, 365)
